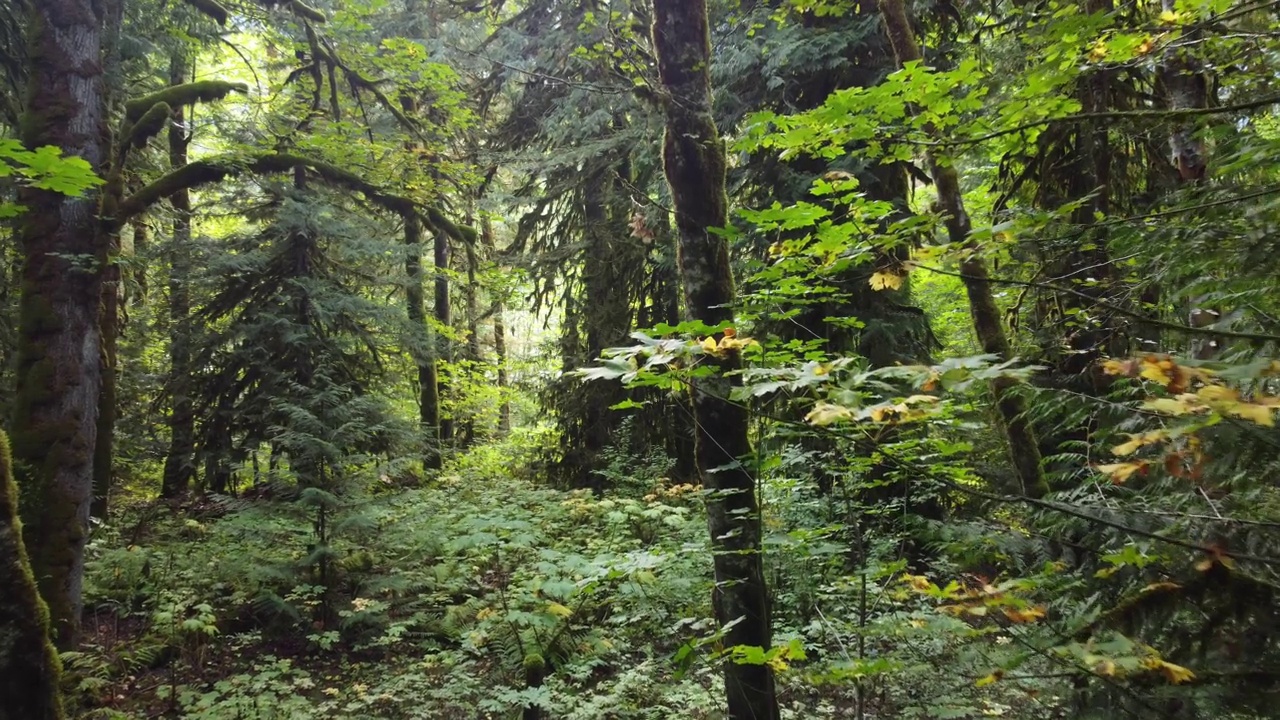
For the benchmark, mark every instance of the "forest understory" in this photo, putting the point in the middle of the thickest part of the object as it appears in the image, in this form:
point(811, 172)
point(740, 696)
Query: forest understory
point(639, 359)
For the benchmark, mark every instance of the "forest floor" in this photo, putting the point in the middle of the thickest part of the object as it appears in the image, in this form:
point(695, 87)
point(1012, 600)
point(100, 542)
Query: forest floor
point(478, 594)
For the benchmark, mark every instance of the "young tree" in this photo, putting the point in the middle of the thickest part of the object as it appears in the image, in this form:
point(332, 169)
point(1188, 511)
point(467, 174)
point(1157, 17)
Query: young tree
point(1023, 448)
point(694, 163)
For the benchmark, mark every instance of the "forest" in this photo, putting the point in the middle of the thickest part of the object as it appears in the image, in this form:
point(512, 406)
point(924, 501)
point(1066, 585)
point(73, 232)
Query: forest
point(639, 359)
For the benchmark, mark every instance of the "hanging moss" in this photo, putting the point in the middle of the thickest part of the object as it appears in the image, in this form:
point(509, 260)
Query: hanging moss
point(29, 667)
point(148, 126)
point(184, 94)
point(211, 8)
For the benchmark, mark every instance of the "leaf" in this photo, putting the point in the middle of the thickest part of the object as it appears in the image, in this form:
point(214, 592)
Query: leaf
point(560, 611)
point(886, 280)
point(1025, 615)
point(825, 413)
point(989, 679)
point(1121, 472)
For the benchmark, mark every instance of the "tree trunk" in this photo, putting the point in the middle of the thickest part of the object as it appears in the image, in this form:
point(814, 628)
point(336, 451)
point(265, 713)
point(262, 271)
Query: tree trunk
point(443, 349)
point(29, 666)
point(423, 354)
point(179, 464)
point(694, 163)
point(499, 335)
point(58, 371)
point(474, 350)
point(109, 324)
point(141, 248)
point(1023, 447)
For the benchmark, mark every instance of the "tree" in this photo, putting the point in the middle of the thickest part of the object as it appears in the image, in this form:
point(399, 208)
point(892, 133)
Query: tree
point(29, 667)
point(1023, 447)
point(59, 376)
point(694, 164)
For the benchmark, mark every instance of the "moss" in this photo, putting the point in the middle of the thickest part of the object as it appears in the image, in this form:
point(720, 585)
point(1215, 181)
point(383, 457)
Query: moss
point(148, 126)
point(212, 170)
point(303, 10)
point(179, 95)
point(29, 667)
point(211, 8)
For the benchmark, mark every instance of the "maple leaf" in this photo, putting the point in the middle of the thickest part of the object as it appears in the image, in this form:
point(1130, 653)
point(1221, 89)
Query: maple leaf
point(825, 413)
point(1121, 472)
point(886, 280)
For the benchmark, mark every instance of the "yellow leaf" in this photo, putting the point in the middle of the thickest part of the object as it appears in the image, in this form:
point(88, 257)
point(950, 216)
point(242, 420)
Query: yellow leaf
point(559, 610)
point(1168, 406)
point(1169, 17)
point(825, 413)
point(1121, 472)
point(990, 679)
point(884, 280)
point(1217, 394)
point(709, 345)
point(917, 582)
point(1027, 615)
point(1106, 668)
point(1139, 441)
point(1259, 414)
point(1175, 674)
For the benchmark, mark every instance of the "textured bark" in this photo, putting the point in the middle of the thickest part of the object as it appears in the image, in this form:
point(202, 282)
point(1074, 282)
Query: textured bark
point(1023, 447)
point(428, 390)
point(29, 666)
point(499, 335)
point(694, 163)
point(58, 369)
point(1186, 86)
point(179, 464)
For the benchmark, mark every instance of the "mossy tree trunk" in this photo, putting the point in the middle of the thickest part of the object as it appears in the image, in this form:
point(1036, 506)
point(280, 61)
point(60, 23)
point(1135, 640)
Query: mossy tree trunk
point(179, 464)
point(1023, 447)
point(694, 163)
point(443, 347)
point(58, 370)
point(28, 662)
point(423, 355)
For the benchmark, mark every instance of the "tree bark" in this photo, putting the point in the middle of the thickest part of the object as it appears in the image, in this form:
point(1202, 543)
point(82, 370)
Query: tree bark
point(443, 348)
point(423, 354)
point(29, 667)
point(1023, 447)
point(58, 370)
point(694, 163)
point(179, 464)
point(499, 335)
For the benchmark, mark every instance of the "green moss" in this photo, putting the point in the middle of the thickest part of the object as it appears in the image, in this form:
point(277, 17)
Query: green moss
point(178, 95)
point(29, 667)
point(303, 10)
point(148, 126)
point(211, 8)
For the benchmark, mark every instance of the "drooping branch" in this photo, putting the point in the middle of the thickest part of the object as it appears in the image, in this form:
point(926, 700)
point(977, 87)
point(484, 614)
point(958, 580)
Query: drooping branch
point(184, 94)
point(214, 170)
point(212, 8)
